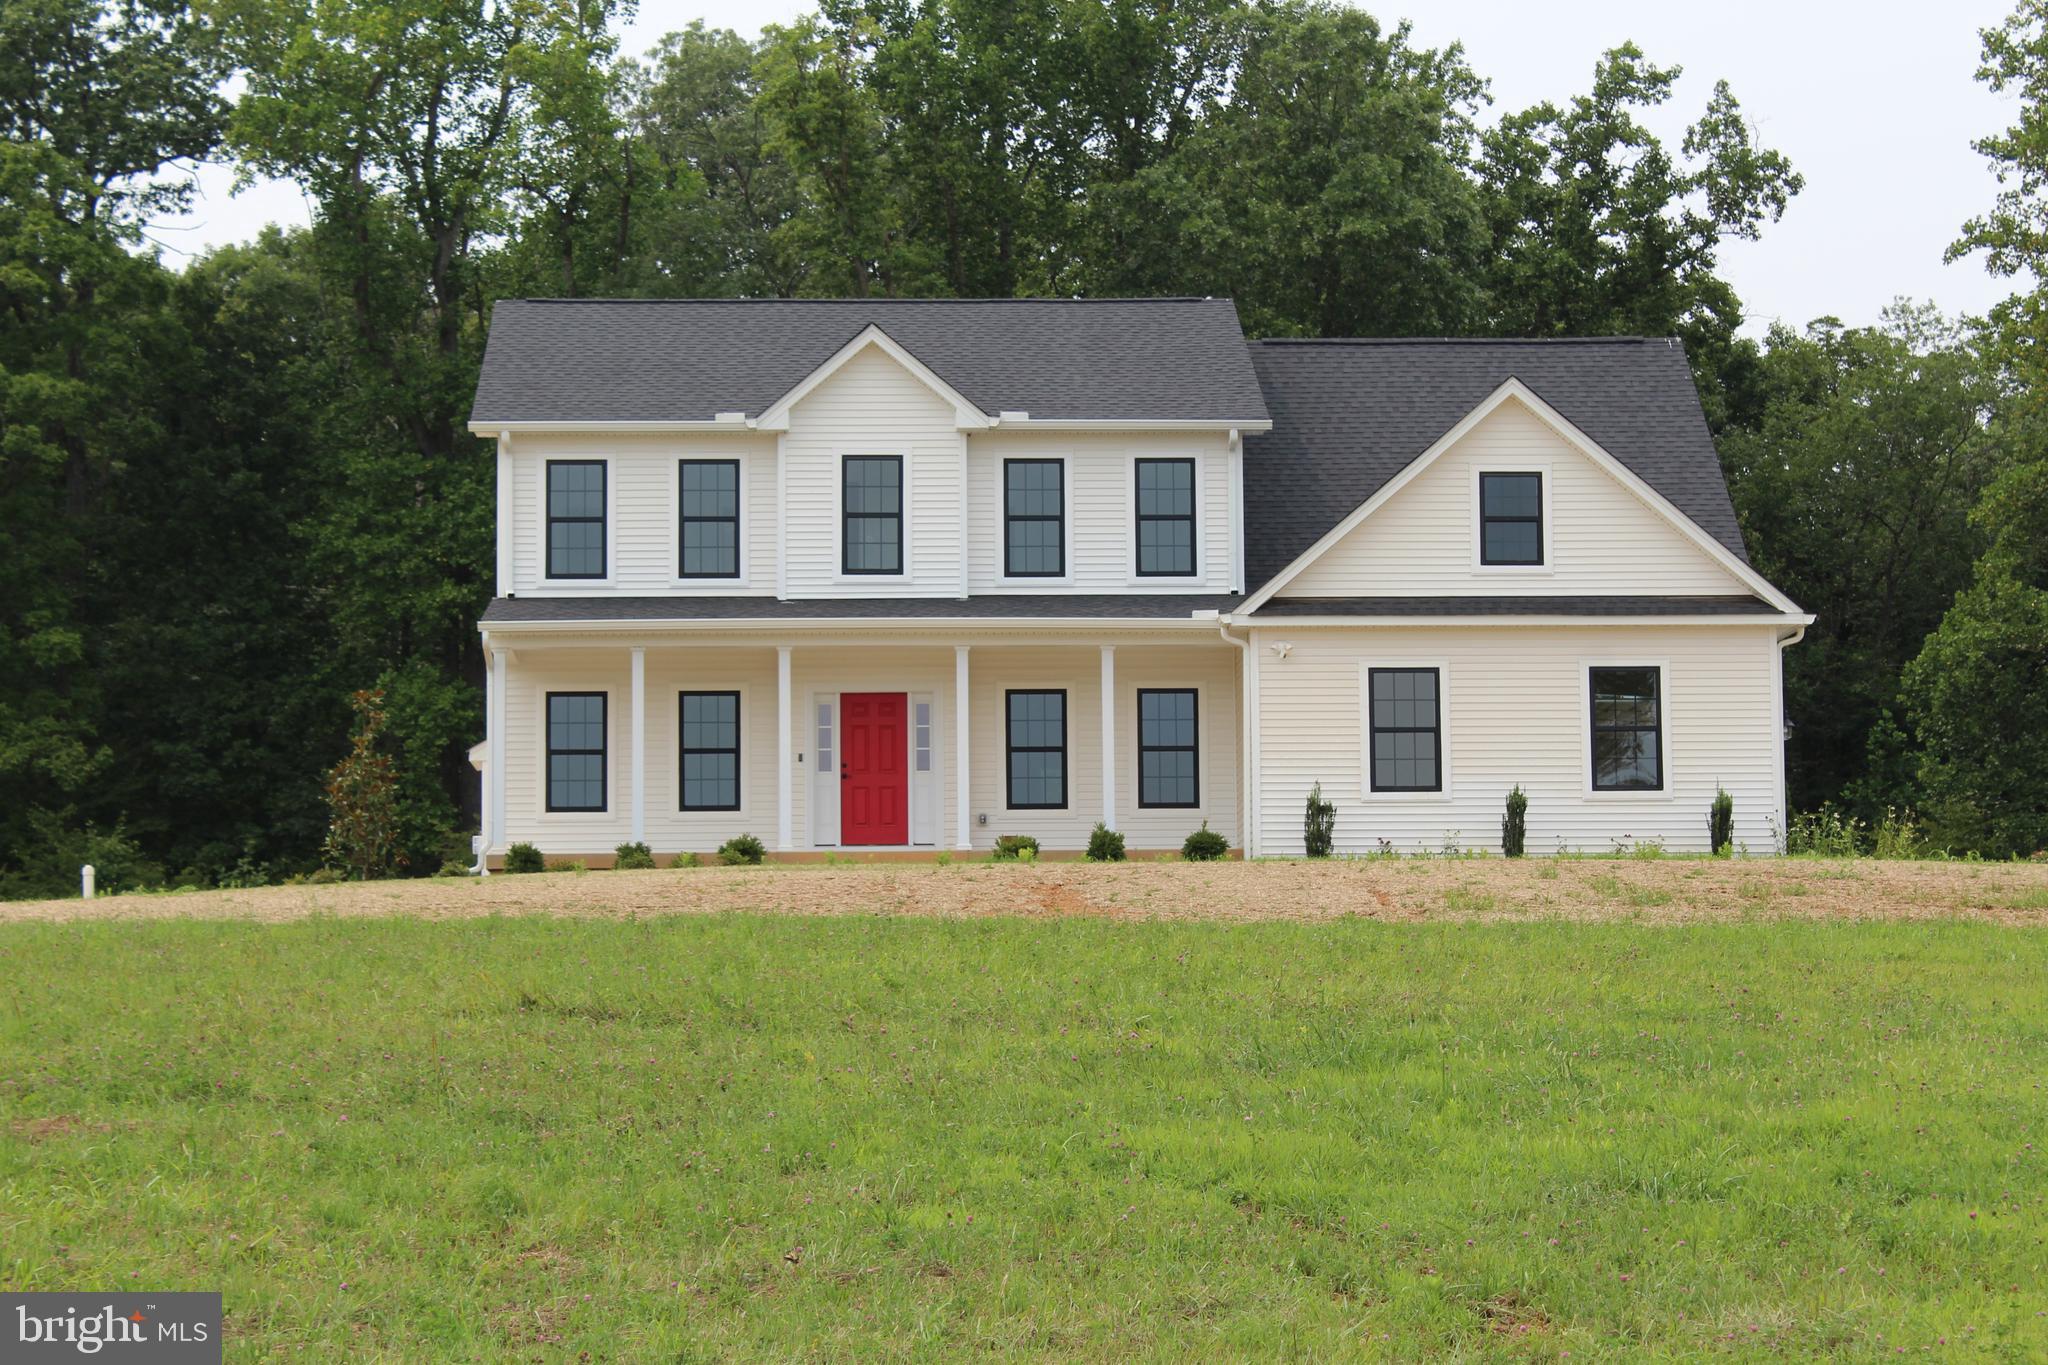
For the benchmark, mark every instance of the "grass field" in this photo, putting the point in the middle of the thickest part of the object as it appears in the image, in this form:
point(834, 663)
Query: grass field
point(705, 1137)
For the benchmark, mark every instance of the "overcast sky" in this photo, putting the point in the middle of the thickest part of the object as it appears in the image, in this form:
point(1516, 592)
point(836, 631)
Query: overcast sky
point(1875, 102)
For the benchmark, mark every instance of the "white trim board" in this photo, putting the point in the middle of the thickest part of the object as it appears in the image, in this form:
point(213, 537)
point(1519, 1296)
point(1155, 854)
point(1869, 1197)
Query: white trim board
point(965, 414)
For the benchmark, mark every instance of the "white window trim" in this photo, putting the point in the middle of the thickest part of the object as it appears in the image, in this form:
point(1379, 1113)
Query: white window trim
point(611, 521)
point(1367, 791)
point(676, 810)
point(613, 811)
point(708, 586)
point(1002, 547)
point(1549, 565)
point(840, 455)
point(1127, 722)
point(1130, 522)
point(1664, 728)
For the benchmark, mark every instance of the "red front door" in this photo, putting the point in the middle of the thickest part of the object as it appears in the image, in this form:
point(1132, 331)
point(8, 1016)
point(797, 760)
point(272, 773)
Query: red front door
point(874, 779)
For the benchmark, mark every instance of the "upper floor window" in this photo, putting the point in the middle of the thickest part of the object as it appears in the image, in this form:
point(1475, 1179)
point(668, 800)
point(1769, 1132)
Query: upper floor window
point(576, 503)
point(1628, 729)
point(1036, 725)
point(1511, 519)
point(710, 519)
point(1034, 518)
point(1407, 730)
point(1166, 518)
point(871, 519)
point(1167, 752)
point(576, 751)
point(711, 750)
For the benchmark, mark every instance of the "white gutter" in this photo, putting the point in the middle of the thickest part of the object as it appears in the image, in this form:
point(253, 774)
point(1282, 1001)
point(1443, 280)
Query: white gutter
point(845, 622)
point(1292, 622)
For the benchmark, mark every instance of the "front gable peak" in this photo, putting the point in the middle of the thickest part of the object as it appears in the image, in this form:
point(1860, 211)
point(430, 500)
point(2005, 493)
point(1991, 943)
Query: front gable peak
point(968, 417)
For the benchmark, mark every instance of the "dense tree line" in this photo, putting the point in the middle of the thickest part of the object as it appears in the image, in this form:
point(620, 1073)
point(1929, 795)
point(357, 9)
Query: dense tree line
point(234, 495)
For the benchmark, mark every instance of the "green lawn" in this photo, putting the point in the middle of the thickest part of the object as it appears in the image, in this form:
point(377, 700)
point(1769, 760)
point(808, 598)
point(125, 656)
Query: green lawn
point(704, 1137)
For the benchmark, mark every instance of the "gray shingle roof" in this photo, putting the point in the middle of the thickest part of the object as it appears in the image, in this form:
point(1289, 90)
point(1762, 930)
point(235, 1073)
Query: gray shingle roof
point(506, 611)
point(1288, 607)
point(676, 360)
point(1349, 415)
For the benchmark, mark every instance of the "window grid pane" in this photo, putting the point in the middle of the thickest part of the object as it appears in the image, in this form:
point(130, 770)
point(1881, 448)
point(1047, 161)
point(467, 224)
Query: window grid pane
point(1034, 512)
point(1165, 497)
point(1168, 748)
point(576, 518)
point(710, 744)
point(710, 519)
point(1628, 730)
point(1511, 519)
point(1036, 731)
point(1407, 736)
point(871, 525)
point(576, 751)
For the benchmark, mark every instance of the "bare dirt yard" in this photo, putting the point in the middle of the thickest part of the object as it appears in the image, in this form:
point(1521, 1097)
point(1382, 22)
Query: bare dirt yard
point(1673, 890)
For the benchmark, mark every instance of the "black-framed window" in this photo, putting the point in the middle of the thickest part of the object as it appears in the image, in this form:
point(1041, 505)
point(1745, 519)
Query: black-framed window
point(1034, 518)
point(1628, 729)
point(1510, 518)
point(1407, 729)
point(576, 518)
point(1169, 753)
point(871, 517)
point(576, 751)
point(711, 750)
point(1035, 734)
point(710, 512)
point(1166, 517)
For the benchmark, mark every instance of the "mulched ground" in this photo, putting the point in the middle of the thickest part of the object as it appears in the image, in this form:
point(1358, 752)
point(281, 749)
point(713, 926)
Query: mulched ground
point(1659, 891)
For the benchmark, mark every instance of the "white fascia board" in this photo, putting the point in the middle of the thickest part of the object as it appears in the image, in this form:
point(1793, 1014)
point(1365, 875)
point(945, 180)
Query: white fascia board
point(1203, 623)
point(1249, 425)
point(1793, 618)
point(1584, 444)
point(965, 414)
point(514, 428)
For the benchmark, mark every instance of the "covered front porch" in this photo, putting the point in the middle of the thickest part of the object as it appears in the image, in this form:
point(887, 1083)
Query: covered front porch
point(858, 742)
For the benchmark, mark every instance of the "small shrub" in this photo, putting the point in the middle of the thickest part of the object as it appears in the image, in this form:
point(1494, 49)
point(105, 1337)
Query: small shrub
point(742, 848)
point(1898, 836)
point(1010, 847)
point(690, 860)
point(1514, 825)
point(632, 858)
point(1824, 833)
point(452, 868)
point(1721, 822)
point(319, 876)
point(1319, 824)
point(524, 858)
point(1105, 845)
point(362, 797)
point(1205, 845)
point(943, 858)
point(569, 865)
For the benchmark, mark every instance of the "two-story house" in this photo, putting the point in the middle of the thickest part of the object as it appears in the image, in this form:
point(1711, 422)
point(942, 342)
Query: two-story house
point(895, 575)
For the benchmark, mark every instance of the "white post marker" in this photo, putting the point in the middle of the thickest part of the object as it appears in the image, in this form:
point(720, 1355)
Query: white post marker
point(85, 878)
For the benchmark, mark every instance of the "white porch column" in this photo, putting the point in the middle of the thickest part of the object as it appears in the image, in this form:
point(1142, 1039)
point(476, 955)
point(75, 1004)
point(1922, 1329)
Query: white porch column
point(639, 745)
point(963, 798)
point(1109, 735)
point(785, 779)
point(494, 768)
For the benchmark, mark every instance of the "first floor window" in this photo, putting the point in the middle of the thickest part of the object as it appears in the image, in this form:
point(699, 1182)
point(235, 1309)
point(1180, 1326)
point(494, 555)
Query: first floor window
point(1167, 747)
point(576, 503)
point(1166, 518)
point(1407, 733)
point(1628, 730)
point(1511, 519)
point(1036, 726)
point(710, 519)
point(1034, 518)
point(871, 519)
point(711, 750)
point(576, 733)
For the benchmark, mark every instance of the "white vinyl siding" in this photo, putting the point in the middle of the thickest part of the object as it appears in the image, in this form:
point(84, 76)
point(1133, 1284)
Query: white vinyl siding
point(645, 507)
point(1601, 538)
point(1100, 495)
point(1515, 712)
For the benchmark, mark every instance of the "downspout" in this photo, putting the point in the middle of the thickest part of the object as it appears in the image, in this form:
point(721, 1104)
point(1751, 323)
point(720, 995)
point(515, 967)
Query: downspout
point(1246, 702)
point(1785, 642)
